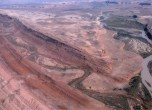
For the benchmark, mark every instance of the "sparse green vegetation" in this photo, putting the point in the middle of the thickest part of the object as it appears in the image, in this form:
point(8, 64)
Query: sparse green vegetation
point(129, 30)
point(138, 107)
point(133, 86)
point(123, 22)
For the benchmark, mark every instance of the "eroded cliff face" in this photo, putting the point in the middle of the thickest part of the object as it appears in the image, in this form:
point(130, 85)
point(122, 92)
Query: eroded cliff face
point(20, 49)
point(148, 31)
point(37, 71)
point(149, 26)
point(150, 67)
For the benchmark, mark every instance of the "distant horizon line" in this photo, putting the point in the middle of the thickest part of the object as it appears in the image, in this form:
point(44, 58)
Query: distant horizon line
point(48, 2)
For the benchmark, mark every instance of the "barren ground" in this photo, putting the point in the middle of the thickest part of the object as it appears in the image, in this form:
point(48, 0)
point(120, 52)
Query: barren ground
point(63, 60)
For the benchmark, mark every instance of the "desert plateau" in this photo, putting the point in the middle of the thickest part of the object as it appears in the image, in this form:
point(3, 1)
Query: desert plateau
point(75, 55)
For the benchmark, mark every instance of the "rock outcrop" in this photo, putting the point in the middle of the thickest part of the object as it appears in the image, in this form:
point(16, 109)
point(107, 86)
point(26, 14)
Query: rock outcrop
point(37, 71)
point(25, 83)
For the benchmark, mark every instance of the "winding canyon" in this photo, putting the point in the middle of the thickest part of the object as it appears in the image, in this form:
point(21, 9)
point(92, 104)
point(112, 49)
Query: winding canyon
point(64, 60)
point(146, 73)
point(20, 49)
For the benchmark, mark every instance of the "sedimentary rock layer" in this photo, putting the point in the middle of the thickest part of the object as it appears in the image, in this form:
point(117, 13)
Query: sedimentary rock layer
point(24, 82)
point(38, 70)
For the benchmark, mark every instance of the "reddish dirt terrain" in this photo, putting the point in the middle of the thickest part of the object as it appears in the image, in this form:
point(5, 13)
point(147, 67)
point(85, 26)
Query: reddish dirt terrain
point(41, 71)
point(30, 79)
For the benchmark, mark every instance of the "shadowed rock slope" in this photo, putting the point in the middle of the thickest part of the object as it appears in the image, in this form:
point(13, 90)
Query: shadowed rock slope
point(25, 82)
point(36, 72)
